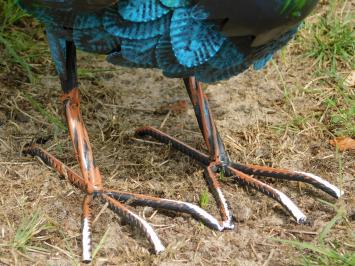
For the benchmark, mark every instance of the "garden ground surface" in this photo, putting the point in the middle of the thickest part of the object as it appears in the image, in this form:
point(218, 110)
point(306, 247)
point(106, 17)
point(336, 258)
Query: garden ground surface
point(281, 116)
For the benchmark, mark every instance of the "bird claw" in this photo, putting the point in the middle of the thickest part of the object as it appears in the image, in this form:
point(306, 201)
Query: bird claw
point(118, 201)
point(244, 174)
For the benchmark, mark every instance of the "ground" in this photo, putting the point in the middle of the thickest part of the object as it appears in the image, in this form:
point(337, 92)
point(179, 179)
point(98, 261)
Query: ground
point(278, 116)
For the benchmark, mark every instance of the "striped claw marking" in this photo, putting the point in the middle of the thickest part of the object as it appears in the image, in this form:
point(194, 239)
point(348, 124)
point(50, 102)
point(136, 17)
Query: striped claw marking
point(224, 208)
point(135, 221)
point(309, 178)
point(277, 195)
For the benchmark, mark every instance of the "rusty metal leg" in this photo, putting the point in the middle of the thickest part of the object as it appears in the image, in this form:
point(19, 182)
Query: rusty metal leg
point(218, 156)
point(206, 123)
point(81, 143)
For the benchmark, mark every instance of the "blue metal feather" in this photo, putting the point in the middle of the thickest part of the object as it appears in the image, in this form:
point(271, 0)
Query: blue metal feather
point(116, 58)
point(89, 34)
point(176, 3)
point(167, 60)
point(193, 39)
point(57, 48)
point(95, 40)
point(141, 10)
point(117, 26)
point(140, 51)
point(261, 63)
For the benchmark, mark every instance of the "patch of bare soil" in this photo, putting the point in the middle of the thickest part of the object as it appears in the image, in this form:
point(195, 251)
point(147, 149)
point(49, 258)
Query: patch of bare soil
point(253, 115)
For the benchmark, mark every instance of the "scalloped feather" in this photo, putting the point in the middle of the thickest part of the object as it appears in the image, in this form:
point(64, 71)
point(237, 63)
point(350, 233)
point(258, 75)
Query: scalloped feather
point(57, 48)
point(261, 63)
point(228, 56)
point(90, 36)
point(194, 41)
point(140, 51)
point(118, 27)
point(167, 61)
point(116, 58)
point(176, 3)
point(141, 10)
point(95, 40)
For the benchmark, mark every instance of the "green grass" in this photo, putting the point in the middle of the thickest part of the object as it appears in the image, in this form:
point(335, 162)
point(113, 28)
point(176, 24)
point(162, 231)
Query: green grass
point(330, 42)
point(24, 49)
point(55, 121)
point(21, 41)
point(204, 199)
point(31, 227)
point(326, 249)
point(101, 243)
point(324, 252)
point(316, 254)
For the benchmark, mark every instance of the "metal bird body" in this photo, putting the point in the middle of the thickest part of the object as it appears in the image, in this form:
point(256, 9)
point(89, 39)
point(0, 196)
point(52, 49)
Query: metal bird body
point(205, 40)
point(211, 40)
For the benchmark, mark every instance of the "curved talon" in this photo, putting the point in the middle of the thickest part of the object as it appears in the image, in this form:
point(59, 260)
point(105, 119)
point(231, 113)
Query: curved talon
point(214, 186)
point(323, 184)
point(167, 204)
point(135, 220)
point(271, 192)
point(304, 177)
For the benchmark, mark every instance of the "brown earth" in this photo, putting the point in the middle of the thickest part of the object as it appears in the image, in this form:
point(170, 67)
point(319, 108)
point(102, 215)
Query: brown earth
point(255, 114)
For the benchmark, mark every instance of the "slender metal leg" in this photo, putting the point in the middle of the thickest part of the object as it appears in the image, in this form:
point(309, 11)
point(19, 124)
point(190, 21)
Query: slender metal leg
point(205, 121)
point(81, 143)
point(218, 156)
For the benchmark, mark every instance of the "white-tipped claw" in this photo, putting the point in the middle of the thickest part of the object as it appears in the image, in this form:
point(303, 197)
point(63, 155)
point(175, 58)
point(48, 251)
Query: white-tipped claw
point(86, 241)
point(324, 182)
point(292, 207)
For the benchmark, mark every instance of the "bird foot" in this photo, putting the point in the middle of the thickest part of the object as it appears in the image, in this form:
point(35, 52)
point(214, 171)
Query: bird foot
point(243, 174)
point(118, 201)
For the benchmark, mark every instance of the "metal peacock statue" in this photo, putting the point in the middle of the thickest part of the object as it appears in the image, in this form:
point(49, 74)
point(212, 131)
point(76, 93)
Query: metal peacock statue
point(196, 40)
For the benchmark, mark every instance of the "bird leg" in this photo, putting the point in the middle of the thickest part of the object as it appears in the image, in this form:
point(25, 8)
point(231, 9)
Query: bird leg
point(218, 163)
point(81, 143)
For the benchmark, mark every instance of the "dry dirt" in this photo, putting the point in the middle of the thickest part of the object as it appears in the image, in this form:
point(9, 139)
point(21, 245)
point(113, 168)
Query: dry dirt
point(254, 117)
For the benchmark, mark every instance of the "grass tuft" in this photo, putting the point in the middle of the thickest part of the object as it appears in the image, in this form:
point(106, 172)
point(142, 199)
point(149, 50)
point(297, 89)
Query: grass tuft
point(204, 199)
point(322, 252)
point(30, 228)
point(329, 42)
point(315, 254)
point(332, 44)
point(55, 121)
point(19, 44)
